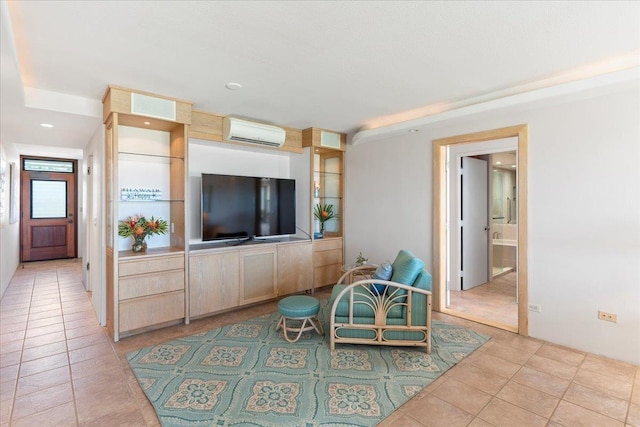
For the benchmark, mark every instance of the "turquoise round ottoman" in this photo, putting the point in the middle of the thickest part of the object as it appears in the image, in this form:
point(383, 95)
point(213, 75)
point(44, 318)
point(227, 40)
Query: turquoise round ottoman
point(301, 311)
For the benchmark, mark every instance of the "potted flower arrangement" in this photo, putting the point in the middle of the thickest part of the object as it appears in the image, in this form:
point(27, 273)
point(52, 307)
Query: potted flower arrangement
point(324, 213)
point(139, 228)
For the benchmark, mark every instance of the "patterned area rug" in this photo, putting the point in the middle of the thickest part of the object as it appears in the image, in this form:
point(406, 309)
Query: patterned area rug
point(247, 375)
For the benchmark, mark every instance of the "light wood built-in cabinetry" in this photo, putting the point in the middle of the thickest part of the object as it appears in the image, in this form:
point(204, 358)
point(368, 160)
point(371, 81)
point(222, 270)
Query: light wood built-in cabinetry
point(214, 281)
point(295, 268)
point(146, 152)
point(327, 152)
point(327, 261)
point(146, 155)
point(225, 278)
point(151, 290)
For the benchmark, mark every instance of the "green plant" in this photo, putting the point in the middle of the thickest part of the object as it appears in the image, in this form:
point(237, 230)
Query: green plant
point(138, 226)
point(324, 213)
point(361, 260)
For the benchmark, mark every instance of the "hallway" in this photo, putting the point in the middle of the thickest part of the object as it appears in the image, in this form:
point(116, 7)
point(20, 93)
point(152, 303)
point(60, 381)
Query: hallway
point(59, 368)
point(494, 300)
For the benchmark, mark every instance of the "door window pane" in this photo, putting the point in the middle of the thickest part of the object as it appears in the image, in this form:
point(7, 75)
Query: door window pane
point(48, 199)
point(48, 165)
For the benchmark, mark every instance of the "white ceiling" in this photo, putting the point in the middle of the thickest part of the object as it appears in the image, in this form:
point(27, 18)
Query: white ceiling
point(343, 66)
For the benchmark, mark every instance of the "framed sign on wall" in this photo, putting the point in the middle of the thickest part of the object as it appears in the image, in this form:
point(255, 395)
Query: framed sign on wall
point(14, 193)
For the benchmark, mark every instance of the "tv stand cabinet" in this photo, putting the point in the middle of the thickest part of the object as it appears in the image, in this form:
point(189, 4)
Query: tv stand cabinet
point(225, 277)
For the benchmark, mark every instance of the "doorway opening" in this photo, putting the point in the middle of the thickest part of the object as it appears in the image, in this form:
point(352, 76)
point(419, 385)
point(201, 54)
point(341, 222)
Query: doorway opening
point(48, 208)
point(482, 232)
point(472, 229)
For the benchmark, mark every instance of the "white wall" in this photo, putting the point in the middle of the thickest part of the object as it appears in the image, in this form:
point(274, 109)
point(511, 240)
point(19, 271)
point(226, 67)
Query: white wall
point(584, 226)
point(9, 233)
point(95, 223)
point(388, 187)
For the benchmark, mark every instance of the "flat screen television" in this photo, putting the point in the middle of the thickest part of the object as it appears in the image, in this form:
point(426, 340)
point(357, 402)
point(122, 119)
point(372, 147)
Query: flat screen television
point(243, 207)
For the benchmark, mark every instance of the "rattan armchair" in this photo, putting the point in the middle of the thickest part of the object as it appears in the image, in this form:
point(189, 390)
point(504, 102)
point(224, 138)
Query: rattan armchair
point(398, 316)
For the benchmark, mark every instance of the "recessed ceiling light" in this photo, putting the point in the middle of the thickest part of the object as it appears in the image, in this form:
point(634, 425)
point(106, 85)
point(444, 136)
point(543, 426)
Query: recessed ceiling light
point(498, 162)
point(414, 130)
point(233, 86)
point(46, 125)
point(147, 123)
point(513, 166)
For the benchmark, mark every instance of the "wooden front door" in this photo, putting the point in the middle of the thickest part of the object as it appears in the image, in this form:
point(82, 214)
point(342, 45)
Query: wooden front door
point(48, 209)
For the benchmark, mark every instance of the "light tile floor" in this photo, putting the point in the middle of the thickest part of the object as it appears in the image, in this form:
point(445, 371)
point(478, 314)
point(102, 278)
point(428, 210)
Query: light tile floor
point(495, 300)
point(58, 367)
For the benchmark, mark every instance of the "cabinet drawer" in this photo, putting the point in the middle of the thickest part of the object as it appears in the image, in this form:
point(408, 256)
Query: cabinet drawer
point(143, 312)
point(150, 284)
point(327, 244)
point(129, 268)
point(327, 275)
point(327, 258)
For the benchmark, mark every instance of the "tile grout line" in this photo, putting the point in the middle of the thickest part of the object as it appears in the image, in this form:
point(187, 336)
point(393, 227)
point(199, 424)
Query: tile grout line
point(561, 399)
point(636, 375)
point(33, 292)
point(24, 338)
point(572, 382)
point(509, 380)
point(66, 344)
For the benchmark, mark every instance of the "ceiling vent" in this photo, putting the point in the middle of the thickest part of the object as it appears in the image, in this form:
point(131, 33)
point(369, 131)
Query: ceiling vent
point(238, 130)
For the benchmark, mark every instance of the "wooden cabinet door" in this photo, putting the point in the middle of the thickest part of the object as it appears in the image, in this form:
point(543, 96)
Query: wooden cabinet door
point(214, 282)
point(295, 268)
point(258, 275)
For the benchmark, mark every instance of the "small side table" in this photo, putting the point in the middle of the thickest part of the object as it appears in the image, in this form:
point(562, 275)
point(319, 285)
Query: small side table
point(365, 271)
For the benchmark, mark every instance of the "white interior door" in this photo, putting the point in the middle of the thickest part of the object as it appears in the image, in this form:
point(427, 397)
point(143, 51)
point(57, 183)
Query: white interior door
point(474, 224)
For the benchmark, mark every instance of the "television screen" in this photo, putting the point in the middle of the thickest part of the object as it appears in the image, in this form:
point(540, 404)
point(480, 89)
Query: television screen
point(244, 207)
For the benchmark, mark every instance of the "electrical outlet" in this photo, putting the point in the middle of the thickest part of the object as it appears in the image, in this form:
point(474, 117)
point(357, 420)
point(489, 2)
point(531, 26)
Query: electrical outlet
point(609, 317)
point(535, 307)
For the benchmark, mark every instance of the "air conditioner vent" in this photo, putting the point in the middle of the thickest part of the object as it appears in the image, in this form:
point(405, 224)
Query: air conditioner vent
point(238, 130)
point(254, 141)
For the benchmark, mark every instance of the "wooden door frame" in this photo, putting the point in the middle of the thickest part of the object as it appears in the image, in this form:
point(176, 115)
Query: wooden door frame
point(75, 195)
point(440, 218)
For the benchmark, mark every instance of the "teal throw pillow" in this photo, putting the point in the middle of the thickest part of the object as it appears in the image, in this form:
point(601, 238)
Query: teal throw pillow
point(383, 272)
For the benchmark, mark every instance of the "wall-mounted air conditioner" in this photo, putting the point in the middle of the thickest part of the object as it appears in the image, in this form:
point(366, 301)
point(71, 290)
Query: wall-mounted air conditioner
point(238, 130)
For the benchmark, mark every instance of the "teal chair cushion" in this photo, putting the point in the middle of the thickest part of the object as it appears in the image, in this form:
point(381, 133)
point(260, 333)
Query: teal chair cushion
point(299, 306)
point(406, 268)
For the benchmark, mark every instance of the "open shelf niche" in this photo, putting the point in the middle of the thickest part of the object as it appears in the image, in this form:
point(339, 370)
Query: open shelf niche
point(146, 138)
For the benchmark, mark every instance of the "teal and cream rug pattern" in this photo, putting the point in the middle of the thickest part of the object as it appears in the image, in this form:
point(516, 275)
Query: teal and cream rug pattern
point(246, 374)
